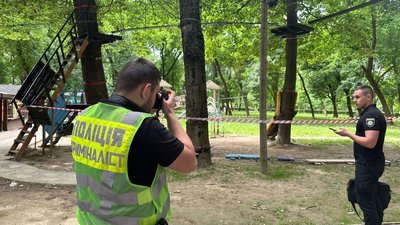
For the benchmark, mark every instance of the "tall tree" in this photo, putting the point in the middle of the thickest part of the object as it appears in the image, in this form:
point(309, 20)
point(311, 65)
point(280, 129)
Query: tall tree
point(368, 69)
point(169, 58)
point(289, 87)
point(227, 95)
point(388, 50)
point(195, 79)
point(232, 40)
point(307, 96)
point(149, 29)
point(92, 64)
point(26, 29)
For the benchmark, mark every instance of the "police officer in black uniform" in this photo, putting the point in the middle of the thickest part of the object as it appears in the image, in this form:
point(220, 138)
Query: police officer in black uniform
point(368, 153)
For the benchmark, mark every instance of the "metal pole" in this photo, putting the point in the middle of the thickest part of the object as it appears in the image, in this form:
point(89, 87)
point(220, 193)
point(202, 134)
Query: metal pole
point(263, 85)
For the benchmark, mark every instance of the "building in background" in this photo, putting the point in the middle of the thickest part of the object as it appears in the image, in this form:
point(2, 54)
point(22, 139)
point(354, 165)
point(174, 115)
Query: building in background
point(9, 118)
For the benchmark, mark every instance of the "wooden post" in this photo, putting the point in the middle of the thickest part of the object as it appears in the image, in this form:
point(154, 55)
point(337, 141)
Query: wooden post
point(52, 132)
point(43, 139)
point(263, 85)
point(1, 112)
point(5, 114)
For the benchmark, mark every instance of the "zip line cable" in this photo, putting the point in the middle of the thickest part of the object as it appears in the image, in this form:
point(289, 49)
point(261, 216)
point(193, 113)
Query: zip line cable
point(362, 5)
point(257, 24)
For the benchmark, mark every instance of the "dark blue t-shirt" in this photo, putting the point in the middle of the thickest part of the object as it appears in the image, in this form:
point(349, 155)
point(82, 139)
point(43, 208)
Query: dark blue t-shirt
point(153, 144)
point(371, 118)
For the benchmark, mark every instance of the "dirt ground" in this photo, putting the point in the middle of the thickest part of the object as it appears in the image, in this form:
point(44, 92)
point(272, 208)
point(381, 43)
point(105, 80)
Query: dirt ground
point(229, 192)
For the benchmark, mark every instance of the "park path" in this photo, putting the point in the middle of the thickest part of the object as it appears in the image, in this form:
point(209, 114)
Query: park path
point(16, 171)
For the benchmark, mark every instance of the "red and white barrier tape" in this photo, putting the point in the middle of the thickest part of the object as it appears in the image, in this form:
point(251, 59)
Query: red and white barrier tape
point(242, 119)
point(48, 107)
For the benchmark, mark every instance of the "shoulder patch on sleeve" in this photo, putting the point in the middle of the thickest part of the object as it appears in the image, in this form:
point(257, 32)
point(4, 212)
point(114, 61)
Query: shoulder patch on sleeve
point(370, 122)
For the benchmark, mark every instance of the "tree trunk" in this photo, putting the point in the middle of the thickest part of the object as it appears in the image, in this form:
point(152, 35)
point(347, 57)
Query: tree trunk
point(324, 111)
point(165, 72)
point(195, 79)
point(348, 103)
point(244, 95)
point(368, 71)
point(332, 97)
point(289, 87)
point(398, 92)
point(274, 86)
point(114, 71)
point(396, 74)
point(92, 64)
point(335, 112)
point(339, 80)
point(246, 104)
point(217, 68)
point(21, 57)
point(308, 96)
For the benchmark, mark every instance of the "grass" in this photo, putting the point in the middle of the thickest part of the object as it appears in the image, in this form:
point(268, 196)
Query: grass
point(317, 134)
point(290, 193)
point(285, 172)
point(312, 131)
point(233, 192)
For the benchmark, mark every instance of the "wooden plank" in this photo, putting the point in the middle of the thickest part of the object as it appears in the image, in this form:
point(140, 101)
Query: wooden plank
point(19, 137)
point(315, 161)
point(70, 69)
point(326, 161)
point(24, 146)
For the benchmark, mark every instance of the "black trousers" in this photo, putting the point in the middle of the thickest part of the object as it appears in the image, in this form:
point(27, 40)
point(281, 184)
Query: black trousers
point(367, 177)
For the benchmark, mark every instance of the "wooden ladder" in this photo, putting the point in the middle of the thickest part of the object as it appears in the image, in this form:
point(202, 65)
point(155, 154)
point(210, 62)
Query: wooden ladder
point(24, 137)
point(30, 127)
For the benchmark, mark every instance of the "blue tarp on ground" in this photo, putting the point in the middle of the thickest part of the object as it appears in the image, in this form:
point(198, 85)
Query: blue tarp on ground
point(242, 156)
point(59, 115)
point(256, 157)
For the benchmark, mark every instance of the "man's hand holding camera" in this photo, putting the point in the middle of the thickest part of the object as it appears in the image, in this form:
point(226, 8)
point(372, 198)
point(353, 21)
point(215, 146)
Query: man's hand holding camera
point(165, 101)
point(168, 104)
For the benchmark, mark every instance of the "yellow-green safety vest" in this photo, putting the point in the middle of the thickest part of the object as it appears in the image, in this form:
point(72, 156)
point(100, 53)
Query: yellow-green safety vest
point(100, 144)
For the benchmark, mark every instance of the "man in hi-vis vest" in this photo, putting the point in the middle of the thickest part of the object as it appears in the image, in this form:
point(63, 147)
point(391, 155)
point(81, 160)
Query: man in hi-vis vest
point(120, 151)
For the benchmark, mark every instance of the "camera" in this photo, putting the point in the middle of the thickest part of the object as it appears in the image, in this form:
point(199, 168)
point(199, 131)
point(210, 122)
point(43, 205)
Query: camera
point(160, 96)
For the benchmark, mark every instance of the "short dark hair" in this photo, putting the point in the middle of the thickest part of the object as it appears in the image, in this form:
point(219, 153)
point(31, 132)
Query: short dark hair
point(366, 90)
point(135, 73)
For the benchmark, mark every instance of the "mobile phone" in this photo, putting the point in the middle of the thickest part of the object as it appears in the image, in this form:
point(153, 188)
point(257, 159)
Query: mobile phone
point(332, 129)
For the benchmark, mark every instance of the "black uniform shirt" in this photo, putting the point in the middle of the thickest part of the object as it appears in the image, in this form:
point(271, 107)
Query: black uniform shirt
point(153, 144)
point(371, 118)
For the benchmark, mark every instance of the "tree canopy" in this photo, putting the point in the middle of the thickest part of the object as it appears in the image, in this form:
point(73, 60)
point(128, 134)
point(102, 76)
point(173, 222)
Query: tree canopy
point(331, 58)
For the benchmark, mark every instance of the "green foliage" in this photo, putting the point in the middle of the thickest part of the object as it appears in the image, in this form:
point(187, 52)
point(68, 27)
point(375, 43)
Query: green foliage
point(147, 29)
point(24, 29)
point(337, 46)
